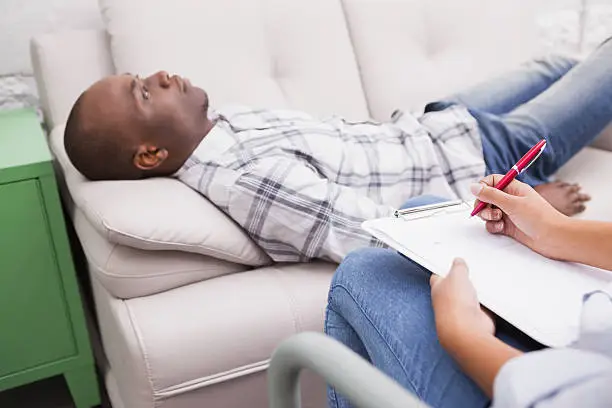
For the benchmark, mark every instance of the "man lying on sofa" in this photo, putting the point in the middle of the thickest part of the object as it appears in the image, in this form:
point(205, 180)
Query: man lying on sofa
point(301, 186)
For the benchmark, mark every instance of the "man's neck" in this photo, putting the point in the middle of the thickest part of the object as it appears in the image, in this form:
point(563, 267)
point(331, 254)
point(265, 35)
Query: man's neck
point(210, 124)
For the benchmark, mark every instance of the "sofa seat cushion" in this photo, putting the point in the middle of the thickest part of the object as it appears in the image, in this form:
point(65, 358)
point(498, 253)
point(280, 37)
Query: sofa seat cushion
point(156, 214)
point(592, 168)
point(214, 331)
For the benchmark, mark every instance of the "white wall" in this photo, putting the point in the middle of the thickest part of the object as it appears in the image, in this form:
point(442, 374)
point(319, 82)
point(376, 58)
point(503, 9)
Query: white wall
point(574, 25)
point(21, 19)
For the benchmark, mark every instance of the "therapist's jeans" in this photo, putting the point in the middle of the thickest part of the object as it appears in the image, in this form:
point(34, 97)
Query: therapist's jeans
point(380, 307)
point(552, 98)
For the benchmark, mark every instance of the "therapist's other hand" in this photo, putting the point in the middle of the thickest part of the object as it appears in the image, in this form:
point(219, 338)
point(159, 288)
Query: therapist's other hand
point(456, 308)
point(519, 212)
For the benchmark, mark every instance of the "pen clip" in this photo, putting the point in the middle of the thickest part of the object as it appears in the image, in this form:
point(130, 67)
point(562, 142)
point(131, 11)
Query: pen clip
point(534, 159)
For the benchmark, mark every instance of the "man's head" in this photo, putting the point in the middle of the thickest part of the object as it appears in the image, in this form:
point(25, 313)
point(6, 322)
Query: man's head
point(124, 127)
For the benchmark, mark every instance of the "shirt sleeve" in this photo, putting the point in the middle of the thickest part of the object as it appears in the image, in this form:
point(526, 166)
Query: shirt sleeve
point(555, 378)
point(574, 377)
point(294, 214)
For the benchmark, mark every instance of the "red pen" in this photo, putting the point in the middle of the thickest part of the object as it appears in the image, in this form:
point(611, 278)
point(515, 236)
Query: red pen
point(522, 165)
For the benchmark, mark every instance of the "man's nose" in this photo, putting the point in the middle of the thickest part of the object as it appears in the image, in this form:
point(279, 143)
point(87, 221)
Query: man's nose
point(162, 78)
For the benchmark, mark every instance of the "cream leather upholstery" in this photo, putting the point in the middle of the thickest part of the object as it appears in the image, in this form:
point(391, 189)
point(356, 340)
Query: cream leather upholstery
point(188, 316)
point(446, 45)
point(65, 64)
point(212, 338)
point(268, 53)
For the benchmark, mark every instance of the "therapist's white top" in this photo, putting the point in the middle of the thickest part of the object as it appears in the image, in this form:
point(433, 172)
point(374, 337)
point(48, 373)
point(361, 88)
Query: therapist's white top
point(575, 377)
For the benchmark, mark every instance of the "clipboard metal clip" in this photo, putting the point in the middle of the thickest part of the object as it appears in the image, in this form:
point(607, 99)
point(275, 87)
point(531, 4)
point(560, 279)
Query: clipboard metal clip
point(431, 209)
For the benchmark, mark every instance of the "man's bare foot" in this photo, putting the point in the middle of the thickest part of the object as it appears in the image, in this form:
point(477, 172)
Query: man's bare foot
point(565, 197)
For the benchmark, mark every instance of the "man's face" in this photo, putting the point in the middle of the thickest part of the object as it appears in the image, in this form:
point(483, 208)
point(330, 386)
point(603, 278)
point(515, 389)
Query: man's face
point(160, 111)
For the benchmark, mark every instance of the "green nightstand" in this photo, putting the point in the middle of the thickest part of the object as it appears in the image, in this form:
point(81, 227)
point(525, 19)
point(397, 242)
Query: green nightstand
point(42, 323)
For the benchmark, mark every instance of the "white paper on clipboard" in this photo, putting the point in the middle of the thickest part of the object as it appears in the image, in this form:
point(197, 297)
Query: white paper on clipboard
point(540, 296)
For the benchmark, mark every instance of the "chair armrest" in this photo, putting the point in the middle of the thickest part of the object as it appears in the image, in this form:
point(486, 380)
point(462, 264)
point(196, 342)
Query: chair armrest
point(604, 140)
point(352, 376)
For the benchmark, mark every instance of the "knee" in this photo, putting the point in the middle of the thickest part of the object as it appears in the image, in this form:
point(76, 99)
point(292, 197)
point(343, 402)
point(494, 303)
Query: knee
point(369, 271)
point(357, 266)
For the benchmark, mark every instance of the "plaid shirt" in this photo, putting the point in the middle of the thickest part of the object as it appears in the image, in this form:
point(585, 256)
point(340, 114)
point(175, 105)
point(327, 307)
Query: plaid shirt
point(302, 186)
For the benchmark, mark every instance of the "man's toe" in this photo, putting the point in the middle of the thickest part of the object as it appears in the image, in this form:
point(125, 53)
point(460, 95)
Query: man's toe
point(579, 208)
point(583, 197)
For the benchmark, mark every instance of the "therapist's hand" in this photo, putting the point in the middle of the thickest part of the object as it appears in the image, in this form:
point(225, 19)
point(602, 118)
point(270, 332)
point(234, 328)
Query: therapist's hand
point(465, 330)
point(521, 213)
point(456, 308)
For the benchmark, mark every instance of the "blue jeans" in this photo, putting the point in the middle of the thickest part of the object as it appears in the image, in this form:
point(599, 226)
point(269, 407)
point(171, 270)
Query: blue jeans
point(380, 307)
point(566, 103)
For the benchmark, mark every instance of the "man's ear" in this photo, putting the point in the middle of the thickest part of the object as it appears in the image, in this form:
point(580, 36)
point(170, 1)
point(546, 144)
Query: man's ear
point(148, 157)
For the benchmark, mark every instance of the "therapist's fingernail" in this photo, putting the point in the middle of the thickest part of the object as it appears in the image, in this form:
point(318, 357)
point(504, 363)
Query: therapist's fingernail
point(458, 262)
point(476, 188)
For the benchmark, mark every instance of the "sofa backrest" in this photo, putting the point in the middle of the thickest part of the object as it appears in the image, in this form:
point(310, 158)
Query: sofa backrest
point(268, 53)
point(411, 52)
point(265, 53)
point(351, 57)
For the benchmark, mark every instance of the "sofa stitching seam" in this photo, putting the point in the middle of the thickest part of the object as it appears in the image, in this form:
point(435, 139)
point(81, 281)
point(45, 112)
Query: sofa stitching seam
point(210, 251)
point(237, 372)
point(144, 353)
point(290, 301)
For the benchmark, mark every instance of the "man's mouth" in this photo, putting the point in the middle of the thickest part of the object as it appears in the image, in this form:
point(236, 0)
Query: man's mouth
point(205, 104)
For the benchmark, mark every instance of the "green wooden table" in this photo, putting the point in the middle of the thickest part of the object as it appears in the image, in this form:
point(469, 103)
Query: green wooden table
point(42, 323)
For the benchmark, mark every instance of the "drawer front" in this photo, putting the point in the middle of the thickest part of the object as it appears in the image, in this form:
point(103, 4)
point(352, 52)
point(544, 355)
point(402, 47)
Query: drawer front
point(34, 321)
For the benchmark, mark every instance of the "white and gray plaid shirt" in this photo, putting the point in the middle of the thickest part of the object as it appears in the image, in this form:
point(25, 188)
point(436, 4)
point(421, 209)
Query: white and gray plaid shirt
point(301, 186)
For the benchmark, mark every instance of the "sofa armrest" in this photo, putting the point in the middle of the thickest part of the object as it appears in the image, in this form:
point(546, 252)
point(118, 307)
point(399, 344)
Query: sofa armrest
point(356, 379)
point(65, 63)
point(604, 141)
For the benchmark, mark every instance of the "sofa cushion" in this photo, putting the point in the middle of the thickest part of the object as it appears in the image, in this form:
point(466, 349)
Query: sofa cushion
point(156, 214)
point(263, 53)
point(411, 52)
point(127, 272)
point(209, 334)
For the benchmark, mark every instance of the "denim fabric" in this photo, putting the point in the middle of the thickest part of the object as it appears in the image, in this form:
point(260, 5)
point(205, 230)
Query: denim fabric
point(421, 200)
point(380, 307)
point(552, 98)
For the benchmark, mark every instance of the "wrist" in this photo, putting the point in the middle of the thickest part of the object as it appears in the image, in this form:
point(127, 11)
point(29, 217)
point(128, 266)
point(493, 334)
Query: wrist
point(559, 235)
point(462, 341)
point(454, 335)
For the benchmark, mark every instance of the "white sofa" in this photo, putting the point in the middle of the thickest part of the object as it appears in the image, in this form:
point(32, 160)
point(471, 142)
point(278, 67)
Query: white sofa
point(189, 309)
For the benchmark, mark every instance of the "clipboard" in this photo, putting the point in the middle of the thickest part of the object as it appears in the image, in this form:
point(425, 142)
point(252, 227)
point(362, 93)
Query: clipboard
point(539, 296)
